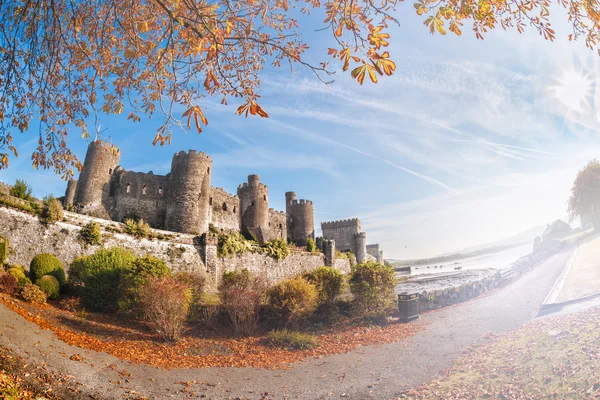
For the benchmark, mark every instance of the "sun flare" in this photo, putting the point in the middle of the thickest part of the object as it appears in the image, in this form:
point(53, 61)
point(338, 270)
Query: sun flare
point(573, 90)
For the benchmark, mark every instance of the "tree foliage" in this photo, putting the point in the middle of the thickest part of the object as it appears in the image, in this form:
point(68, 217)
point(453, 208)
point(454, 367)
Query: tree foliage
point(67, 62)
point(585, 193)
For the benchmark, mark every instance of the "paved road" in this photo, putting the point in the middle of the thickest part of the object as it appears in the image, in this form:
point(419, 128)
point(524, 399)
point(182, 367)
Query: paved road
point(378, 372)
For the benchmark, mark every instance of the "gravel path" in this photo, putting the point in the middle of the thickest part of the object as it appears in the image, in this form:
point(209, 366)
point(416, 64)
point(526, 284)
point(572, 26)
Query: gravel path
point(378, 372)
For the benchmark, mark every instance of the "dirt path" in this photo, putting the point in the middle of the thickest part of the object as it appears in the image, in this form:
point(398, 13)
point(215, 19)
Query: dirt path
point(583, 278)
point(379, 372)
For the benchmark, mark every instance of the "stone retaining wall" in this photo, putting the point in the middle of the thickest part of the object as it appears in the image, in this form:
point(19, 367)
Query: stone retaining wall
point(28, 237)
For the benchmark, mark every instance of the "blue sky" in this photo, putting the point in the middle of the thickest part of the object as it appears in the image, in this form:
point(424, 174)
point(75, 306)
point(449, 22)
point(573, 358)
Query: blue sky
point(469, 142)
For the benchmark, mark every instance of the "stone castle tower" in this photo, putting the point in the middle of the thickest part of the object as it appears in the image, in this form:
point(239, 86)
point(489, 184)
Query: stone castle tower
point(254, 207)
point(92, 189)
point(189, 197)
point(347, 236)
point(300, 219)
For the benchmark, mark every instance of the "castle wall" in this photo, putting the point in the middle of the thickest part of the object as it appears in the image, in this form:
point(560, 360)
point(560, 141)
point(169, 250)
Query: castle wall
point(189, 193)
point(277, 225)
point(300, 219)
point(92, 193)
point(29, 237)
point(360, 246)
point(254, 206)
point(342, 232)
point(373, 250)
point(224, 213)
point(140, 195)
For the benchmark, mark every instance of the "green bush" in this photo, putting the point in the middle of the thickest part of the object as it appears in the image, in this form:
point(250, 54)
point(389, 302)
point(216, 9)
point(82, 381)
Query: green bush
point(50, 286)
point(4, 249)
point(16, 272)
point(90, 234)
point(33, 294)
point(21, 190)
point(52, 211)
point(242, 295)
point(234, 243)
point(293, 299)
point(137, 228)
point(311, 245)
point(276, 248)
point(138, 275)
point(22, 281)
point(372, 285)
point(290, 339)
point(329, 282)
point(100, 277)
point(46, 264)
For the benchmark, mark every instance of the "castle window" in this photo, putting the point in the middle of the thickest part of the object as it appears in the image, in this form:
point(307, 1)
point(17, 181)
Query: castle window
point(269, 224)
point(280, 226)
point(210, 201)
point(234, 210)
point(160, 192)
point(128, 187)
point(208, 170)
point(145, 190)
point(110, 171)
point(224, 206)
point(264, 197)
point(93, 182)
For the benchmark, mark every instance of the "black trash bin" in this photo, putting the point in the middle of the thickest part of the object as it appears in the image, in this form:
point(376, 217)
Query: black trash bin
point(408, 307)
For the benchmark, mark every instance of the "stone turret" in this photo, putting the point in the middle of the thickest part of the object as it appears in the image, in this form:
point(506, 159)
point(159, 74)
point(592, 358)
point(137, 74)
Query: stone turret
point(92, 192)
point(254, 207)
point(360, 246)
point(373, 249)
point(189, 193)
point(300, 219)
point(70, 193)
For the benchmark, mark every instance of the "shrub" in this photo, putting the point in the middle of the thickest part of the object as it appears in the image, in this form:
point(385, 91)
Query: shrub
point(234, 243)
point(21, 190)
point(372, 285)
point(22, 281)
point(137, 228)
point(8, 284)
point(46, 264)
point(311, 245)
point(138, 275)
point(276, 248)
point(242, 294)
point(52, 211)
point(166, 304)
point(206, 308)
point(90, 234)
point(16, 272)
point(100, 276)
point(290, 339)
point(4, 248)
point(50, 286)
point(195, 282)
point(329, 282)
point(33, 294)
point(293, 299)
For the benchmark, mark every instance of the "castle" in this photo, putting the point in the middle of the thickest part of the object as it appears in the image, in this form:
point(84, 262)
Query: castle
point(184, 201)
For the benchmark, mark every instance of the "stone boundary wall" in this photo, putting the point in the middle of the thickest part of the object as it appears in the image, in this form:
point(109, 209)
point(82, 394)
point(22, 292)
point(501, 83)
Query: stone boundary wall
point(182, 252)
point(467, 290)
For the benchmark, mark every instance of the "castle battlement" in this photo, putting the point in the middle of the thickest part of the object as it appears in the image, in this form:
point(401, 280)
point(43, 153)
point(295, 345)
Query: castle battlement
point(341, 223)
point(373, 246)
point(191, 153)
point(222, 191)
point(301, 201)
point(105, 145)
point(360, 235)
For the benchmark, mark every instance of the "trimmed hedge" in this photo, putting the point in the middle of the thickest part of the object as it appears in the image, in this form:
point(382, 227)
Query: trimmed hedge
point(46, 264)
point(50, 286)
point(372, 285)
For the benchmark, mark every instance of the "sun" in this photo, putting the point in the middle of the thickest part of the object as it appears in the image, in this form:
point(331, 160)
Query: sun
point(573, 90)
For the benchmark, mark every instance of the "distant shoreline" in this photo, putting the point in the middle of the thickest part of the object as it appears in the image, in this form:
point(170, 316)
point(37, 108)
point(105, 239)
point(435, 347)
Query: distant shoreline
point(455, 256)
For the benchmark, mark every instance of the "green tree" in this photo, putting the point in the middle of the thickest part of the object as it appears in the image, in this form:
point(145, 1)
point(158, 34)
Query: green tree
point(584, 201)
point(21, 190)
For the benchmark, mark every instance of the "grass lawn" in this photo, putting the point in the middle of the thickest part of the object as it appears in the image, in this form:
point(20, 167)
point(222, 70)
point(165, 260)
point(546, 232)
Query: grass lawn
point(553, 358)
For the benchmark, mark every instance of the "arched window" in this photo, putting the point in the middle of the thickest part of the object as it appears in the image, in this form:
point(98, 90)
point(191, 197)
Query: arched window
point(160, 192)
point(269, 224)
point(110, 171)
point(128, 187)
point(145, 190)
point(224, 206)
point(210, 201)
point(264, 197)
point(280, 226)
point(234, 209)
point(208, 170)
